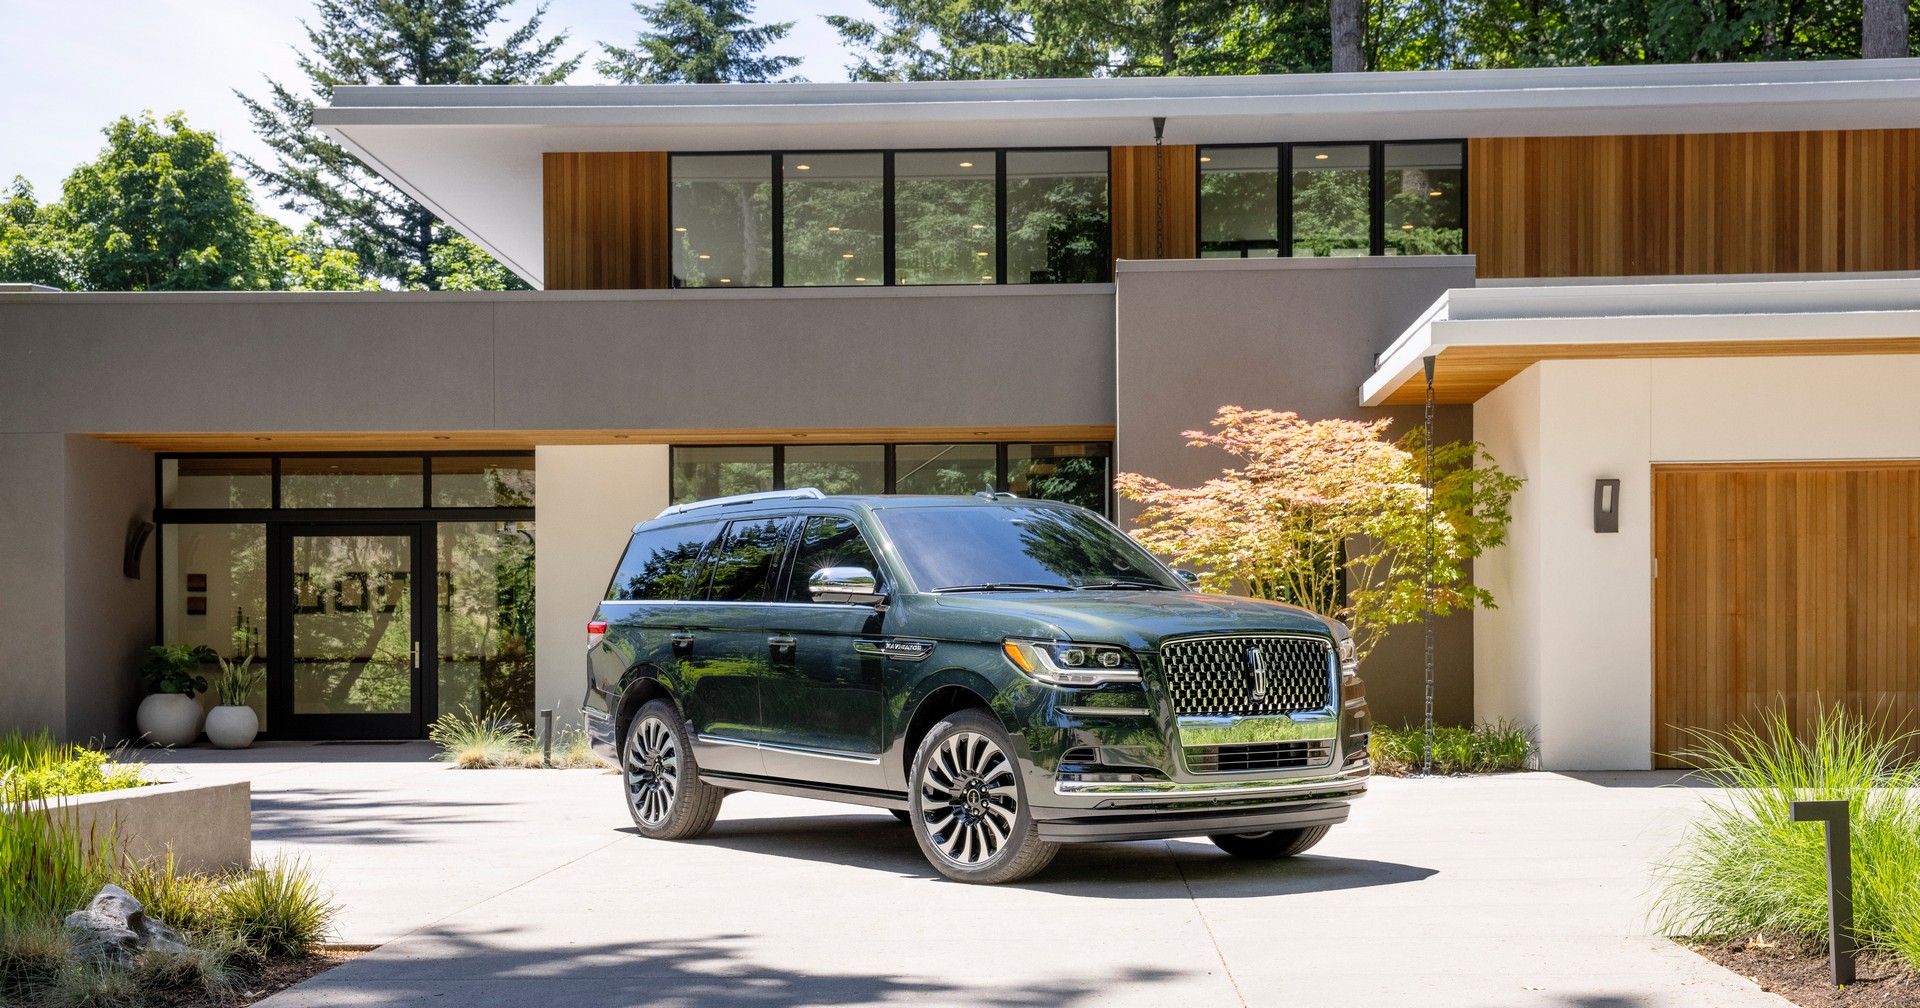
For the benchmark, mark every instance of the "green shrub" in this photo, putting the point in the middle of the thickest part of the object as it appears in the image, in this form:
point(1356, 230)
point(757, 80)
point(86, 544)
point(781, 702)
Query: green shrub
point(1745, 866)
point(35, 766)
point(189, 902)
point(474, 741)
point(1483, 748)
point(278, 909)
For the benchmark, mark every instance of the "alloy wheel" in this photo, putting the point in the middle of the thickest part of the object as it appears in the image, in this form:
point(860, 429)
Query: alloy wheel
point(652, 767)
point(969, 798)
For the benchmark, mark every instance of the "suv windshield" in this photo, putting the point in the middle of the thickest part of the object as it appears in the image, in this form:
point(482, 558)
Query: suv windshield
point(1014, 548)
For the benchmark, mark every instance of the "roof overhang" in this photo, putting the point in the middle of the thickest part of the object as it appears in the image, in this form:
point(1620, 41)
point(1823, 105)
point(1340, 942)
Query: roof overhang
point(472, 153)
point(1480, 337)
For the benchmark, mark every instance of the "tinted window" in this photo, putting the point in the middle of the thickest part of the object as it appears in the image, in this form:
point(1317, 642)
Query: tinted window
point(660, 563)
point(828, 541)
point(947, 547)
point(747, 560)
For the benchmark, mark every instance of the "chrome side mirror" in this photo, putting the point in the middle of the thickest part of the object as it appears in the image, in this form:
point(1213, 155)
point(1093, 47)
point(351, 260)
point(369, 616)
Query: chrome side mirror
point(844, 584)
point(1188, 576)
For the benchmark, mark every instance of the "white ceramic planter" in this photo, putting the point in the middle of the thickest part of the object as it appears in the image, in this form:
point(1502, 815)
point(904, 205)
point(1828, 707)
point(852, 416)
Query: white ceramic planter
point(232, 727)
point(168, 719)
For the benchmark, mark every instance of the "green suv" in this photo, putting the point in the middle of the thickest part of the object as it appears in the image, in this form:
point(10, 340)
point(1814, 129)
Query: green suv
point(1003, 675)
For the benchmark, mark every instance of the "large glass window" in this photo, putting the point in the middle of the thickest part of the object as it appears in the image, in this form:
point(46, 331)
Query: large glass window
point(1424, 186)
point(833, 220)
point(944, 213)
point(659, 563)
point(483, 481)
point(702, 472)
point(485, 596)
point(745, 564)
point(1331, 200)
point(723, 220)
point(1058, 222)
point(836, 469)
point(352, 482)
point(1239, 202)
point(827, 542)
point(216, 482)
point(1076, 473)
point(213, 591)
point(945, 469)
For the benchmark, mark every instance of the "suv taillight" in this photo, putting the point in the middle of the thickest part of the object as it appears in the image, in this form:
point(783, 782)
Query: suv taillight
point(596, 632)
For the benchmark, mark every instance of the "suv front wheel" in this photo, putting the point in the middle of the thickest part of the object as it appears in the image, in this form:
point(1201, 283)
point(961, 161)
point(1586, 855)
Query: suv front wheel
point(970, 812)
point(665, 795)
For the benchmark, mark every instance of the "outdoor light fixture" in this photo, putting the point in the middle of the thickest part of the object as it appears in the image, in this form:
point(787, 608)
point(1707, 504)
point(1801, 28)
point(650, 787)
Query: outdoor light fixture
point(1606, 505)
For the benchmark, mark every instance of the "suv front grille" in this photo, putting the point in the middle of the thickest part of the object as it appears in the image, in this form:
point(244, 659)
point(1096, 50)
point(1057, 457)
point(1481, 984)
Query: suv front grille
point(1259, 756)
point(1214, 676)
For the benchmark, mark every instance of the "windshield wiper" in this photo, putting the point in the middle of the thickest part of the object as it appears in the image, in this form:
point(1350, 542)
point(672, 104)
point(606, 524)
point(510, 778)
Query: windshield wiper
point(1124, 586)
point(1031, 586)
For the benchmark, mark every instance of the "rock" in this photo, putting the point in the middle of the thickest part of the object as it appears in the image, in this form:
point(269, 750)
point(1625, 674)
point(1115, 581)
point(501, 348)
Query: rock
point(114, 929)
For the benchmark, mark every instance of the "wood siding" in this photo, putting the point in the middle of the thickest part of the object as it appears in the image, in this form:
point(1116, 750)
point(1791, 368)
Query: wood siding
point(606, 216)
point(1138, 199)
point(1827, 201)
point(1795, 584)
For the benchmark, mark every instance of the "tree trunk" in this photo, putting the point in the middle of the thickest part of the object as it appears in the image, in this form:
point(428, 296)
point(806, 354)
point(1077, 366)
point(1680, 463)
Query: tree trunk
point(1346, 17)
point(1883, 29)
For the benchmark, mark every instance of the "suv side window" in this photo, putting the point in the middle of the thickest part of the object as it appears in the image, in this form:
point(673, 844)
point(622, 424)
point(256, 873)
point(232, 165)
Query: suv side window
point(827, 541)
point(660, 563)
point(748, 559)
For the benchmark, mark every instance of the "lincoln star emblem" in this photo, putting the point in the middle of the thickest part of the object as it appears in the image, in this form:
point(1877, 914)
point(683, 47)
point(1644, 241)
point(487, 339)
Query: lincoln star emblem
point(1259, 666)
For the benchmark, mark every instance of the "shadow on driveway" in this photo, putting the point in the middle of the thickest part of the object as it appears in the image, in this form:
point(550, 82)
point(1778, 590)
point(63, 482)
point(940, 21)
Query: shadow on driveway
point(320, 815)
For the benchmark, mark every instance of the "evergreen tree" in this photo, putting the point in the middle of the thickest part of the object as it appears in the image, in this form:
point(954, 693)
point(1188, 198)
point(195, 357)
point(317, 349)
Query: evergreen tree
point(698, 42)
point(387, 42)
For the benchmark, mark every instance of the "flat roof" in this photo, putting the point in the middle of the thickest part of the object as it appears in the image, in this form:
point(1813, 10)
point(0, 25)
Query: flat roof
point(1481, 337)
point(472, 153)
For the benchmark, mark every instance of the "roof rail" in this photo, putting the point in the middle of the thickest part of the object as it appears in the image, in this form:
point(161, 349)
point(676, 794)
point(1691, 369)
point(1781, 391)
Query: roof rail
point(800, 493)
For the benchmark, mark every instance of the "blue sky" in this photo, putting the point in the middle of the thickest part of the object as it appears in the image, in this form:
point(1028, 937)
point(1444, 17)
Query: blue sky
point(72, 66)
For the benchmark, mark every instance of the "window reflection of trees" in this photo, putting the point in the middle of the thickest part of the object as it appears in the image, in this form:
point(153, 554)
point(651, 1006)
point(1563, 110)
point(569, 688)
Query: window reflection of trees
point(355, 655)
point(486, 617)
point(660, 563)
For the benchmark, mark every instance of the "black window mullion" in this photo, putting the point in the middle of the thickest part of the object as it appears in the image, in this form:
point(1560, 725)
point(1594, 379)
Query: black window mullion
point(1283, 202)
point(276, 482)
point(1000, 216)
point(426, 481)
point(1466, 248)
point(779, 467)
point(1377, 198)
point(887, 465)
point(887, 229)
point(779, 220)
point(1000, 466)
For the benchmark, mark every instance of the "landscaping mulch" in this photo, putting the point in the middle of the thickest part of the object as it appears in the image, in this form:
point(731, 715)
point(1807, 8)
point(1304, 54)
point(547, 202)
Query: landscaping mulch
point(1803, 977)
point(278, 975)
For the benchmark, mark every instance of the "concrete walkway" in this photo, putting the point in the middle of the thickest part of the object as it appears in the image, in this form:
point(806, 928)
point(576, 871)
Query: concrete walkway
point(528, 888)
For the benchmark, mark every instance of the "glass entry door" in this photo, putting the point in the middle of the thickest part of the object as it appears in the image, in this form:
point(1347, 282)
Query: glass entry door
point(353, 655)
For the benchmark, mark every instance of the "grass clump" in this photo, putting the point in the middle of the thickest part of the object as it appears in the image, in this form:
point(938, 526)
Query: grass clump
point(492, 738)
point(278, 910)
point(1745, 866)
point(1484, 748)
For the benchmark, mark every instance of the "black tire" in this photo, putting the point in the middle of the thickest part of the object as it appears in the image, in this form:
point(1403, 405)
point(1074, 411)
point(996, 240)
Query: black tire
point(901, 814)
point(1269, 844)
point(970, 814)
point(664, 793)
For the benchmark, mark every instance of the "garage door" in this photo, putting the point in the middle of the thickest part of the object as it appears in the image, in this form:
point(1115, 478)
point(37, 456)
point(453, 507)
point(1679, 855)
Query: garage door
point(1795, 584)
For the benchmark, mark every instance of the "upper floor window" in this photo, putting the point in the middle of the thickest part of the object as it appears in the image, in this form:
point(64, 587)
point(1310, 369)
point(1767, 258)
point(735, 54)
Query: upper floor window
point(891, 218)
point(1350, 199)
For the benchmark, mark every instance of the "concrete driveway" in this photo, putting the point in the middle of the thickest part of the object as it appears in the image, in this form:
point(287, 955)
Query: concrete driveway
point(528, 888)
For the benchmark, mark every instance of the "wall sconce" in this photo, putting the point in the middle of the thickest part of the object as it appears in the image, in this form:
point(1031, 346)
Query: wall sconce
point(1606, 505)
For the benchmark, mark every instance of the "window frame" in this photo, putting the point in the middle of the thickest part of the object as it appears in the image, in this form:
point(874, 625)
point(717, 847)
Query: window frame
point(890, 468)
point(1376, 190)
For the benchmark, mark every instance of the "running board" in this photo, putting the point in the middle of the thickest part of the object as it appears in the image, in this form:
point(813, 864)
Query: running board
point(792, 789)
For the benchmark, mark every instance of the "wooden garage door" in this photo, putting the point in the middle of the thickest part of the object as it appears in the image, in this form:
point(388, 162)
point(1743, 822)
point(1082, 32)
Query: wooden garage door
point(1794, 584)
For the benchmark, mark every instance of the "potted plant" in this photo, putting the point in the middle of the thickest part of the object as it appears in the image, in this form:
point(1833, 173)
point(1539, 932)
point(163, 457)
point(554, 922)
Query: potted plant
point(170, 716)
point(233, 724)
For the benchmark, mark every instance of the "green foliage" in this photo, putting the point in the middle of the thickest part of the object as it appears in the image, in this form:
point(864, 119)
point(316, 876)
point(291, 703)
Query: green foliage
point(35, 246)
point(279, 909)
point(189, 902)
point(474, 741)
point(238, 679)
point(1484, 748)
point(698, 42)
point(175, 668)
point(459, 264)
point(49, 864)
point(77, 772)
point(303, 261)
point(386, 42)
point(1745, 866)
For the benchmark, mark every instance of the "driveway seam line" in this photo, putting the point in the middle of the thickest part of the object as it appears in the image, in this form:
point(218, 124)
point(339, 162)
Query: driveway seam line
point(1167, 845)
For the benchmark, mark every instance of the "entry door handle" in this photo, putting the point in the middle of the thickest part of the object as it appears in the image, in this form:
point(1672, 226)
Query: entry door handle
point(416, 655)
point(781, 644)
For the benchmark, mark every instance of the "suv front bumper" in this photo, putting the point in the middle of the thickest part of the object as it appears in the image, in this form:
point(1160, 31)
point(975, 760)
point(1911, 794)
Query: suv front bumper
point(1156, 810)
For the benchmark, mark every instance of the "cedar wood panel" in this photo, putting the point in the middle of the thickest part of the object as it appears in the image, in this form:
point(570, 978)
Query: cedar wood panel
point(606, 215)
point(1136, 191)
point(1798, 202)
point(1784, 584)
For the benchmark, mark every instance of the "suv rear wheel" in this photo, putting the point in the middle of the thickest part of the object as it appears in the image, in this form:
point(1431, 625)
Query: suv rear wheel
point(970, 812)
point(665, 795)
point(1269, 844)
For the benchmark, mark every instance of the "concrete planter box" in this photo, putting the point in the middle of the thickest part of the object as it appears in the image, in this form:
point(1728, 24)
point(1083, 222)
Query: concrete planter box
point(209, 826)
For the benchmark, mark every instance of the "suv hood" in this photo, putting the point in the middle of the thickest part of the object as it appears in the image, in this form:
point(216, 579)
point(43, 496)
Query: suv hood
point(1137, 619)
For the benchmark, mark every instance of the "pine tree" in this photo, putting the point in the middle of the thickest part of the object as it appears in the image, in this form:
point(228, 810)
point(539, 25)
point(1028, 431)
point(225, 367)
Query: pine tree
point(386, 42)
point(698, 42)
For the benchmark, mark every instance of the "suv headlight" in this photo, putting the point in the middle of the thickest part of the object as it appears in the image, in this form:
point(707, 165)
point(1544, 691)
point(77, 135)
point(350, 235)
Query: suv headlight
point(1349, 659)
point(1070, 663)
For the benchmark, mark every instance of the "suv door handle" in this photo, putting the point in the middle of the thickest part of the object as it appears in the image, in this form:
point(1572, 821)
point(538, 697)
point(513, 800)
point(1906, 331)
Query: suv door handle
point(778, 643)
point(682, 640)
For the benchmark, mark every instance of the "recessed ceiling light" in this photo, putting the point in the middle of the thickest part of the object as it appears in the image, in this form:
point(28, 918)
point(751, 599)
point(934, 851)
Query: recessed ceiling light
point(263, 439)
point(1319, 157)
point(833, 227)
point(1406, 227)
point(621, 437)
point(979, 253)
point(966, 164)
point(979, 227)
point(1434, 192)
point(442, 437)
point(803, 167)
point(726, 279)
point(1204, 159)
point(846, 255)
point(859, 279)
point(681, 230)
point(704, 256)
point(986, 276)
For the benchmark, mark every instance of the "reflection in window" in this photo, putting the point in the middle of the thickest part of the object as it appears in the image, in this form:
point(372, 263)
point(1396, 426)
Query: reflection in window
point(1423, 189)
point(723, 221)
point(214, 592)
point(1330, 200)
point(833, 227)
point(1075, 473)
point(660, 563)
point(944, 469)
point(745, 563)
point(702, 472)
point(943, 217)
point(482, 481)
point(836, 469)
point(345, 482)
point(1058, 229)
point(828, 542)
point(215, 482)
point(1239, 202)
point(485, 614)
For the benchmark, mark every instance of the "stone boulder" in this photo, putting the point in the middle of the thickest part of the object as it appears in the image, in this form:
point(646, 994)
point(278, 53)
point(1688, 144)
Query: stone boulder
point(114, 929)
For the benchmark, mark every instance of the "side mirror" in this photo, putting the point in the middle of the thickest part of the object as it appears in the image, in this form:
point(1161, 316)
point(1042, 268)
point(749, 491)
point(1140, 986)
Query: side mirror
point(1188, 576)
point(844, 584)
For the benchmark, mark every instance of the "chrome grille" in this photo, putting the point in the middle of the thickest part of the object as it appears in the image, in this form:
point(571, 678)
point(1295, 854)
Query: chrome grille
point(1214, 675)
point(1259, 756)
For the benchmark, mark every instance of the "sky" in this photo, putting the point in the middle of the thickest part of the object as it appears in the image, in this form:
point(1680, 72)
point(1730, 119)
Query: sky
point(70, 67)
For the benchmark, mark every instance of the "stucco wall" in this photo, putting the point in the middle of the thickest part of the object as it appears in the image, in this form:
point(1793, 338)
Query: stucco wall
point(33, 648)
point(1292, 334)
point(1506, 639)
point(1584, 638)
point(109, 615)
point(588, 499)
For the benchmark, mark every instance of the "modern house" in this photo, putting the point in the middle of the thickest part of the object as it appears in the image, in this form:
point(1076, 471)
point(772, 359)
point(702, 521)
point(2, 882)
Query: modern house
point(1682, 302)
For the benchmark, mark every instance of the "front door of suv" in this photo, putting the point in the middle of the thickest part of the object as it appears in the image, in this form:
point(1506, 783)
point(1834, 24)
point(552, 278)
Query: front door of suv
point(821, 708)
